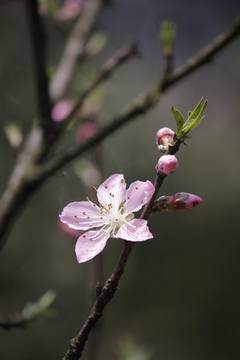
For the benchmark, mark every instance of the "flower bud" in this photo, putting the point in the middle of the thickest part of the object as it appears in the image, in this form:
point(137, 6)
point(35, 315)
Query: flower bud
point(61, 110)
point(87, 130)
point(167, 164)
point(179, 202)
point(184, 201)
point(164, 138)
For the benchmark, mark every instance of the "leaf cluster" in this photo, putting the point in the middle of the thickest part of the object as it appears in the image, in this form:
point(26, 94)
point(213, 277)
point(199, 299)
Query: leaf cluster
point(193, 120)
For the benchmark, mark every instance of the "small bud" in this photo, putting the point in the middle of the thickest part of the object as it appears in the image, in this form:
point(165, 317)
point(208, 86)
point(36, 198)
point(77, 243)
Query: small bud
point(14, 134)
point(87, 130)
point(184, 201)
point(164, 138)
point(167, 164)
point(61, 110)
point(168, 32)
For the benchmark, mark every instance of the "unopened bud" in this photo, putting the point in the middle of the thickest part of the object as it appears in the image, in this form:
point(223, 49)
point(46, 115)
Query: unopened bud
point(167, 164)
point(164, 138)
point(61, 110)
point(179, 202)
point(184, 201)
point(87, 130)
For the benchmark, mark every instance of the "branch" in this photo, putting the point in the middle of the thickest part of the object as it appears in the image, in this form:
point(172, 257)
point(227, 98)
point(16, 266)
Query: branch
point(145, 102)
point(119, 57)
point(38, 41)
point(105, 294)
point(204, 56)
point(74, 48)
point(27, 178)
point(32, 312)
point(15, 321)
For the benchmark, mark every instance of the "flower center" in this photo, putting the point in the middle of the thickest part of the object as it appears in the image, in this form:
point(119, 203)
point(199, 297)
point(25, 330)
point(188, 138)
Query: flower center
point(115, 219)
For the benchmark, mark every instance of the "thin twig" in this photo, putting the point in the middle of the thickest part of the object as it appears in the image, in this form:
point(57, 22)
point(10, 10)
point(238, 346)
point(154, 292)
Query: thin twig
point(204, 56)
point(15, 321)
point(21, 186)
point(106, 294)
point(25, 176)
point(74, 48)
point(77, 344)
point(145, 102)
point(119, 57)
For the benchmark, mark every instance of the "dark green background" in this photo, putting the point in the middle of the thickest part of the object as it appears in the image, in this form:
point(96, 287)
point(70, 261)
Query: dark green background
point(180, 294)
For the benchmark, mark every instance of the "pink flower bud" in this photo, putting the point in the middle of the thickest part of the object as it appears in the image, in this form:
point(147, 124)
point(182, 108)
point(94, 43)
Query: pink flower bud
point(179, 202)
point(164, 138)
point(167, 164)
point(184, 201)
point(61, 110)
point(87, 130)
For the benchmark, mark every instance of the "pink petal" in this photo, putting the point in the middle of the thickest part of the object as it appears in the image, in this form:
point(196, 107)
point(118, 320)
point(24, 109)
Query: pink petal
point(164, 134)
point(90, 244)
point(82, 215)
point(193, 201)
point(112, 191)
point(135, 230)
point(72, 233)
point(138, 194)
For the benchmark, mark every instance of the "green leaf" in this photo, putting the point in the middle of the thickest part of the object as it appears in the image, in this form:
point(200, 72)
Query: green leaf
point(194, 119)
point(41, 309)
point(178, 117)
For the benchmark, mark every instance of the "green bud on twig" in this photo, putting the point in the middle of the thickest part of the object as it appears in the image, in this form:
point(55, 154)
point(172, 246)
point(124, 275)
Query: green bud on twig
point(167, 35)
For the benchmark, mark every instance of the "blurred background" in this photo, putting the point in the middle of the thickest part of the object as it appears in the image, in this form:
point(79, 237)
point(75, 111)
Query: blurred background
point(179, 298)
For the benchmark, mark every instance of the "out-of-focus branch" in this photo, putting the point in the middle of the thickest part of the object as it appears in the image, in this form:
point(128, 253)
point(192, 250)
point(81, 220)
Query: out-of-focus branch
point(38, 41)
point(15, 321)
point(74, 48)
point(204, 56)
point(118, 58)
point(32, 312)
point(27, 176)
point(147, 101)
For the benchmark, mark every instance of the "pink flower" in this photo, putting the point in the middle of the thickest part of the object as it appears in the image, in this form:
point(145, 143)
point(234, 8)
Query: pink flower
point(164, 138)
point(184, 201)
point(167, 164)
point(61, 110)
point(112, 218)
point(87, 130)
